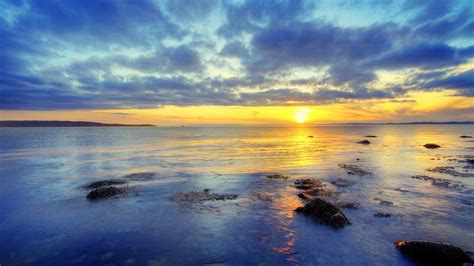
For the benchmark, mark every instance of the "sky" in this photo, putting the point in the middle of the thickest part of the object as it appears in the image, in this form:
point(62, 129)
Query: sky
point(237, 62)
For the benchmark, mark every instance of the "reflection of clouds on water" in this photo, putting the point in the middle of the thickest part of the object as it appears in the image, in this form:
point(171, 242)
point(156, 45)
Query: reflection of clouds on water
point(46, 172)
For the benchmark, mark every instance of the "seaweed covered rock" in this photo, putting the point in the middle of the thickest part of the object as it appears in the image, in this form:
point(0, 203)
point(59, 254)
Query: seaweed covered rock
point(433, 253)
point(106, 192)
point(104, 183)
point(431, 146)
point(325, 213)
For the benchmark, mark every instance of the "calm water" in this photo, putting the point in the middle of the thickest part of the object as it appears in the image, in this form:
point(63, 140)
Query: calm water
point(45, 217)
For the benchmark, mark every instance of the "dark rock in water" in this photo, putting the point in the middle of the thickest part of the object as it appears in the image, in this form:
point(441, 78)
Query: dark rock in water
point(325, 212)
point(354, 169)
point(382, 215)
point(370, 136)
point(466, 137)
point(106, 192)
point(431, 146)
point(347, 205)
point(104, 183)
point(341, 182)
point(364, 142)
point(277, 176)
point(310, 136)
point(140, 176)
point(433, 253)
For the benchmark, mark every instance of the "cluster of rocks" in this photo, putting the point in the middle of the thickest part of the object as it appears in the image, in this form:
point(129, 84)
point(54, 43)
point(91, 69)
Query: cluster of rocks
point(109, 188)
point(449, 171)
point(353, 169)
point(193, 197)
point(440, 182)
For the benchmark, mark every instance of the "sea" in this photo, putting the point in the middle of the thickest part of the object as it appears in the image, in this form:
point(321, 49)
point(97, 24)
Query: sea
point(46, 219)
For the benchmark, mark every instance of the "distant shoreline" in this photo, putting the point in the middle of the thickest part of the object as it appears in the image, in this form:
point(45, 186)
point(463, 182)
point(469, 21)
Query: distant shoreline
point(38, 123)
point(53, 123)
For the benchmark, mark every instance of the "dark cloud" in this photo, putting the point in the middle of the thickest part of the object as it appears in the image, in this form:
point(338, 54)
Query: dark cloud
point(104, 54)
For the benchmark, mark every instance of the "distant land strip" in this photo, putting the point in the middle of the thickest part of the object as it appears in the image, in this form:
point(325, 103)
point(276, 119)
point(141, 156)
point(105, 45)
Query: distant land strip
point(37, 123)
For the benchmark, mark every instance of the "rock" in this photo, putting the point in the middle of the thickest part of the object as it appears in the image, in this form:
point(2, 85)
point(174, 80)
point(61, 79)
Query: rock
point(140, 176)
point(450, 171)
point(104, 183)
point(341, 182)
point(384, 202)
point(347, 205)
point(370, 136)
point(382, 215)
point(466, 137)
point(431, 146)
point(277, 176)
point(354, 169)
point(433, 253)
point(366, 142)
point(307, 184)
point(193, 197)
point(106, 192)
point(325, 212)
point(310, 136)
point(440, 182)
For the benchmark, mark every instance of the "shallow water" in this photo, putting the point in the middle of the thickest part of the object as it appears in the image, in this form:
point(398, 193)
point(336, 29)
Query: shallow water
point(46, 219)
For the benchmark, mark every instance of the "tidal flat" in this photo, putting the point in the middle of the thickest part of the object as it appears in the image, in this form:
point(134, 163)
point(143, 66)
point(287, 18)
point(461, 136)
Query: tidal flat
point(229, 195)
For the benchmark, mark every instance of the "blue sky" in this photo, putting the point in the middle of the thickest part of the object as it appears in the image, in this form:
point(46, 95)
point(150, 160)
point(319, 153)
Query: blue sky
point(93, 55)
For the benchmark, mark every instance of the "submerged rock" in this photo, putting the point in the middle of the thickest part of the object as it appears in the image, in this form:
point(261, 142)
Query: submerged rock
point(341, 182)
point(106, 192)
point(466, 137)
point(383, 202)
point(450, 171)
point(433, 253)
point(104, 183)
point(354, 169)
point(140, 176)
point(382, 215)
point(431, 146)
point(364, 142)
point(325, 212)
point(277, 176)
point(193, 197)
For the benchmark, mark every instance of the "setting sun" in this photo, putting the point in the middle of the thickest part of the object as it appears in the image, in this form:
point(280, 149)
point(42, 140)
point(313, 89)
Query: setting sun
point(301, 115)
